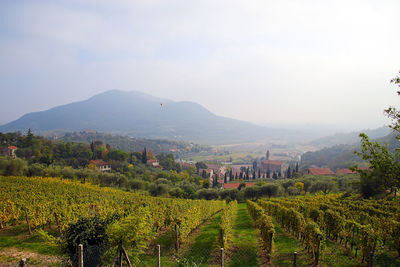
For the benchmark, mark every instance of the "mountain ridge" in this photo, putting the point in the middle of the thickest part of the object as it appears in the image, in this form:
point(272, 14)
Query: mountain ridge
point(140, 114)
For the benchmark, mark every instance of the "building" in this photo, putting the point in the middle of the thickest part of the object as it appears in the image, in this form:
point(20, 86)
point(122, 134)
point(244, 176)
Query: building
point(11, 151)
point(271, 166)
point(154, 163)
point(348, 171)
point(318, 171)
point(102, 165)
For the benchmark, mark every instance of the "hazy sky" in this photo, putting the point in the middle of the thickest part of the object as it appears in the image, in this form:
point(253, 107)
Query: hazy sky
point(277, 62)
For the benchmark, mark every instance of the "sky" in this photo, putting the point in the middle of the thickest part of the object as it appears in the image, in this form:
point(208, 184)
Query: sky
point(280, 63)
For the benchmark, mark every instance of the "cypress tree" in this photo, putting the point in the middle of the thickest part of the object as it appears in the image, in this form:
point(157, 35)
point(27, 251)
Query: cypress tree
point(144, 156)
point(297, 167)
point(259, 173)
point(288, 173)
point(274, 176)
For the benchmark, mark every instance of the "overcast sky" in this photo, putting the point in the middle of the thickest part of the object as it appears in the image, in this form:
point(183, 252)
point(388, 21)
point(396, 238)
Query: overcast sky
point(280, 62)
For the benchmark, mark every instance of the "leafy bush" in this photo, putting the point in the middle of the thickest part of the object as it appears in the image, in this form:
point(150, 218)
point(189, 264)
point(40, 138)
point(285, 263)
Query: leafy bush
point(91, 233)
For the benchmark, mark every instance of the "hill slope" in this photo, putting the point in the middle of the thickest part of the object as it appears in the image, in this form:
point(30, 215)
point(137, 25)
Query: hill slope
point(349, 138)
point(342, 156)
point(142, 115)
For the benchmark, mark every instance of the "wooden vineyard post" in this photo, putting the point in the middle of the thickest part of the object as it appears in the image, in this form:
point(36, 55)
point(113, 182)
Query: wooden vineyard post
point(159, 255)
point(294, 259)
point(80, 255)
point(222, 257)
point(319, 238)
point(120, 255)
point(126, 257)
point(27, 222)
point(221, 236)
point(22, 263)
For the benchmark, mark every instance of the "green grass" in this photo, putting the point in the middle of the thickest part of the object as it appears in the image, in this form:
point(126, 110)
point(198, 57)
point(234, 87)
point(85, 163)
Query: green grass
point(15, 243)
point(200, 250)
point(244, 248)
point(17, 237)
point(283, 248)
point(204, 249)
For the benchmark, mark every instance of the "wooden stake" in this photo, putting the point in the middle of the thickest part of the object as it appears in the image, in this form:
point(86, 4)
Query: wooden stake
point(22, 263)
point(222, 257)
point(80, 255)
point(159, 255)
point(126, 257)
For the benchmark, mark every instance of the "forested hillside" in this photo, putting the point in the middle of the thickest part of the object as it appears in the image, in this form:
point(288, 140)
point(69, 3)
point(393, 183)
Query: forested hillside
point(342, 156)
point(131, 144)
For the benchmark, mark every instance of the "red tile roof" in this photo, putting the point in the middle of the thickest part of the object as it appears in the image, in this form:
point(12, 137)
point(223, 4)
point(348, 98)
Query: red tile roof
point(320, 171)
point(236, 185)
point(12, 147)
point(151, 161)
point(99, 162)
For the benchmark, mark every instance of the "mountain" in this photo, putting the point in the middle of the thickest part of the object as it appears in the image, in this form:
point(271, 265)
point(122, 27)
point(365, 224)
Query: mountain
point(349, 138)
point(142, 115)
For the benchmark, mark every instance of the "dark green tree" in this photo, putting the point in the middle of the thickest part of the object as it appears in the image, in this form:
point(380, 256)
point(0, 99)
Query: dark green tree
point(144, 156)
point(289, 173)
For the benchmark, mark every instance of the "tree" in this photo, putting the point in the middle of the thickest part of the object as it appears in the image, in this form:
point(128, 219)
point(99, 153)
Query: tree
point(289, 173)
point(201, 165)
point(254, 165)
point(144, 156)
point(384, 167)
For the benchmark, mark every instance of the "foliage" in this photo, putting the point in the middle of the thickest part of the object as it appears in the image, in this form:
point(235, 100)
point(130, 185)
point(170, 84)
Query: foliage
point(91, 233)
point(384, 166)
point(132, 232)
point(226, 224)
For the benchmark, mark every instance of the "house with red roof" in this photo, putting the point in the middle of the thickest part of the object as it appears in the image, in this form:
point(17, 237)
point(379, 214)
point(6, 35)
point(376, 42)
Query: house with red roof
point(102, 165)
point(11, 151)
point(348, 171)
point(318, 171)
point(154, 163)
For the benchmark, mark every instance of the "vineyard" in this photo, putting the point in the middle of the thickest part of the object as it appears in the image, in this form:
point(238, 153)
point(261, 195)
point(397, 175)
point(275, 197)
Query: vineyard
point(43, 202)
point(363, 228)
point(324, 229)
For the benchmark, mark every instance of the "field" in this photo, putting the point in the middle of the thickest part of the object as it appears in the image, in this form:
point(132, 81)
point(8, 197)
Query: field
point(323, 229)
